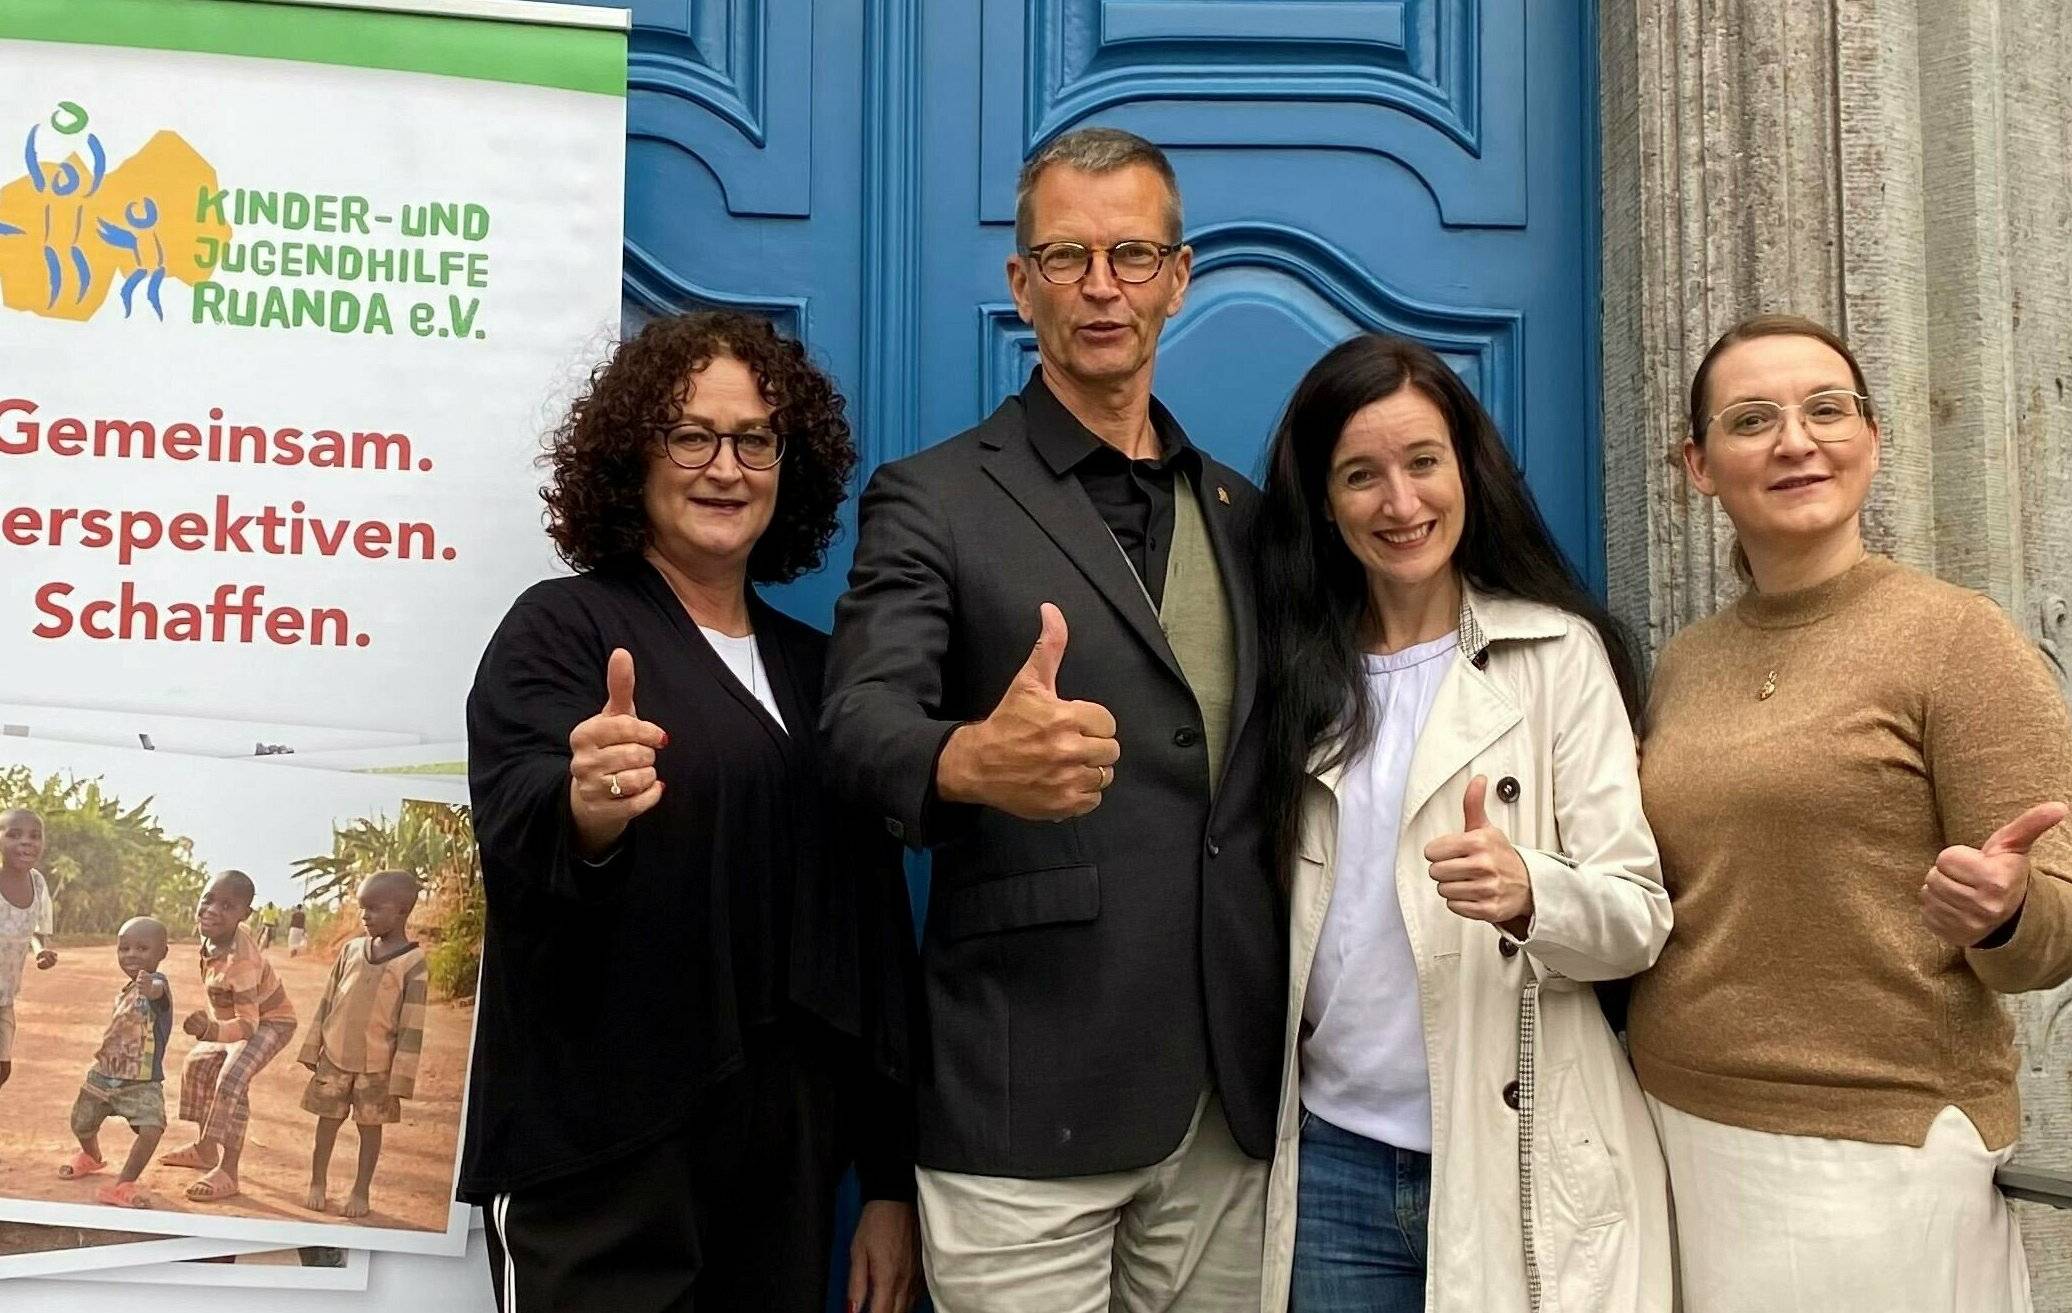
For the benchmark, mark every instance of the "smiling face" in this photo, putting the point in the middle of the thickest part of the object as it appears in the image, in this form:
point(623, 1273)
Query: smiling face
point(21, 841)
point(1395, 491)
point(140, 946)
point(1098, 333)
point(223, 907)
point(1786, 494)
point(706, 521)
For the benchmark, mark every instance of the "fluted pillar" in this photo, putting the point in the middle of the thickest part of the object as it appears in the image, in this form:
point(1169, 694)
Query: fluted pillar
point(1901, 170)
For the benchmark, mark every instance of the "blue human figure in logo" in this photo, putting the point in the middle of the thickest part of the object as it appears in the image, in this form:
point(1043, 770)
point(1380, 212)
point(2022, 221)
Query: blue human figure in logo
point(140, 218)
point(64, 184)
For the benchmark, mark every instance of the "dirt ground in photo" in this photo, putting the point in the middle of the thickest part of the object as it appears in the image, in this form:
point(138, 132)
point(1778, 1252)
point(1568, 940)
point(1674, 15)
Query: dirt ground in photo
point(62, 1014)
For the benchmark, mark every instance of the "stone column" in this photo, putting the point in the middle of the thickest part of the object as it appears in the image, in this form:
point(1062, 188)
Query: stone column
point(1901, 170)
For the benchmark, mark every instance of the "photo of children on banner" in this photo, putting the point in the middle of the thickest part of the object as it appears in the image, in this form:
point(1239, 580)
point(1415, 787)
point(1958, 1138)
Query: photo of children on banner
point(357, 1022)
point(249, 1013)
point(25, 917)
point(127, 1079)
point(364, 1041)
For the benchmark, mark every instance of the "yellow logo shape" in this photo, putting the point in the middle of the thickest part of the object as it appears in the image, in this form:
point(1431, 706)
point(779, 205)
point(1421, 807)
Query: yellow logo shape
point(73, 235)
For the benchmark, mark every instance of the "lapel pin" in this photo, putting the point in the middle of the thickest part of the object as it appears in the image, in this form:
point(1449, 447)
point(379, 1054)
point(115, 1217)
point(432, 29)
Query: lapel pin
point(1223, 494)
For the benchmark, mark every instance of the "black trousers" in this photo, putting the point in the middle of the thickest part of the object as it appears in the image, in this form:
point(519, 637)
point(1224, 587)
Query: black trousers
point(736, 1212)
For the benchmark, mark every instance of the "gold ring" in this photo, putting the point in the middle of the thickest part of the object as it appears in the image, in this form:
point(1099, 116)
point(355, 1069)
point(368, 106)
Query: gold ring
point(611, 783)
point(1107, 777)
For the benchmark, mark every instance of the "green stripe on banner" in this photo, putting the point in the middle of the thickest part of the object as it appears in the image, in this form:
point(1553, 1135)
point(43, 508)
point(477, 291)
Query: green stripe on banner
point(569, 58)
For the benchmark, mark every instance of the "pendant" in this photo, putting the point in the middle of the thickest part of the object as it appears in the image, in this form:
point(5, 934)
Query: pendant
point(1769, 687)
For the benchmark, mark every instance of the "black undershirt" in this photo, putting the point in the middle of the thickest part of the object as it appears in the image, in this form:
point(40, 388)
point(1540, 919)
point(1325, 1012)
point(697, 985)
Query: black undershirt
point(1134, 497)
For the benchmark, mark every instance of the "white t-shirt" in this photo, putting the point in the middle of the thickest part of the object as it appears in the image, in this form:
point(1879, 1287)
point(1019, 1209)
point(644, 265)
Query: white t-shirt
point(746, 662)
point(1363, 1061)
point(16, 925)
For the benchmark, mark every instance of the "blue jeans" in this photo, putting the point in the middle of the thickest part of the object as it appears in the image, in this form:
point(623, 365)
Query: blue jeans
point(1360, 1217)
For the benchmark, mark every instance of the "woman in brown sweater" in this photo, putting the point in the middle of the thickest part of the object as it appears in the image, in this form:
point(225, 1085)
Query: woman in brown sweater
point(1856, 775)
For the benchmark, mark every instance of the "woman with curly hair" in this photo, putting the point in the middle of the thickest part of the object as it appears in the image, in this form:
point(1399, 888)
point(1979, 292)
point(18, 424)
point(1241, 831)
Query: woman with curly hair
point(695, 999)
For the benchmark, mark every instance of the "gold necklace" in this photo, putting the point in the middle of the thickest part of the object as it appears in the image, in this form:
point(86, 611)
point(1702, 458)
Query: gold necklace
point(1769, 687)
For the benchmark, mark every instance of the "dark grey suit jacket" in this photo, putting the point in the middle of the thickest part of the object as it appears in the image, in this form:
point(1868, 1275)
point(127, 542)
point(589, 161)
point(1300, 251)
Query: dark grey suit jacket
point(1086, 979)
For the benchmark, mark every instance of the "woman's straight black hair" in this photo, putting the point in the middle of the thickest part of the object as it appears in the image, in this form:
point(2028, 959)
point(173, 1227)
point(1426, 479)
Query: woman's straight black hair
point(1312, 591)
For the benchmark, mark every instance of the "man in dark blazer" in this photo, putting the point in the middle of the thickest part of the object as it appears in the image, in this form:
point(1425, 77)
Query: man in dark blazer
point(1045, 671)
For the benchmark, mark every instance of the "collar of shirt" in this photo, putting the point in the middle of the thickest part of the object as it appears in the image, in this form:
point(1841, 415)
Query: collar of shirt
point(1065, 443)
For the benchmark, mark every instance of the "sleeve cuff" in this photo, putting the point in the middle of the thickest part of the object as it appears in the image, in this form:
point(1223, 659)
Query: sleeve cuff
point(934, 820)
point(575, 876)
point(886, 1180)
point(2037, 950)
point(1574, 934)
point(885, 1140)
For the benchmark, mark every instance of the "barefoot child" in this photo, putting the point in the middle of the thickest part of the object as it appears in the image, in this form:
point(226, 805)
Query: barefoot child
point(25, 918)
point(249, 1012)
point(364, 1041)
point(127, 1079)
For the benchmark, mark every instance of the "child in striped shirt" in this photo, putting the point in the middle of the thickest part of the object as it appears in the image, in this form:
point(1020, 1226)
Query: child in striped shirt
point(364, 1042)
point(249, 1011)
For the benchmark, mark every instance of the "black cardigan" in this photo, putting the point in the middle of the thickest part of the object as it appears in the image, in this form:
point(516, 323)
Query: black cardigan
point(613, 994)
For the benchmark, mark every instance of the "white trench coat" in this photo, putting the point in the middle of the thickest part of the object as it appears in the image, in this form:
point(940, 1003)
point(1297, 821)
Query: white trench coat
point(1548, 1189)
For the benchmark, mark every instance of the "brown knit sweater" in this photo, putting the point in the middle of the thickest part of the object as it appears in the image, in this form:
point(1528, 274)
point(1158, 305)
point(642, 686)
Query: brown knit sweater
point(1801, 992)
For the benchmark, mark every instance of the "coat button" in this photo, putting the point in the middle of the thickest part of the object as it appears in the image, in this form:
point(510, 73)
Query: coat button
point(1511, 1096)
point(1506, 948)
point(1215, 849)
point(1507, 789)
point(1186, 736)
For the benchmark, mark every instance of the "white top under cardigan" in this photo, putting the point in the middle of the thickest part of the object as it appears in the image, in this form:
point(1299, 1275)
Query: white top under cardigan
point(742, 657)
point(1363, 1053)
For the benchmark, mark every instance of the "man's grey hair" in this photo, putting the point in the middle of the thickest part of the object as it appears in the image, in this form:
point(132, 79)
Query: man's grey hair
point(1093, 150)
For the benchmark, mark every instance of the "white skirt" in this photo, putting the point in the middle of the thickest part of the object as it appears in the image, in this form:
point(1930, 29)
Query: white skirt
point(1797, 1224)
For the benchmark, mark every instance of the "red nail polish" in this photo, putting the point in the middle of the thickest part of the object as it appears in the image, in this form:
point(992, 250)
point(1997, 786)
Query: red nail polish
point(665, 743)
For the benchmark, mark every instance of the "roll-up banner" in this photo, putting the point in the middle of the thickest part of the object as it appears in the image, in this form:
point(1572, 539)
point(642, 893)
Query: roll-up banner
point(289, 295)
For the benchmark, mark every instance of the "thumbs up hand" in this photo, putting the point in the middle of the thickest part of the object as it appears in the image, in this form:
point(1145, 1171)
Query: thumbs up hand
point(1971, 892)
point(1479, 874)
point(611, 768)
point(1038, 756)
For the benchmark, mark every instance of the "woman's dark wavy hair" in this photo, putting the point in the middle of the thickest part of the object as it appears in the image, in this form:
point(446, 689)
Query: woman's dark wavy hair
point(600, 455)
point(1312, 591)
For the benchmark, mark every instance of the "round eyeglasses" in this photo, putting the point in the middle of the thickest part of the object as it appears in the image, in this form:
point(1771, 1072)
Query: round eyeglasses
point(693, 447)
point(1832, 416)
point(1130, 262)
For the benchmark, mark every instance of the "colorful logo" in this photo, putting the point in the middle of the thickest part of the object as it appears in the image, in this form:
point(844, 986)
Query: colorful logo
point(72, 231)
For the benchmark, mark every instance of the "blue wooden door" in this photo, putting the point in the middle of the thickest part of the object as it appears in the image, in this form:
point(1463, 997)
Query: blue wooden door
point(1420, 166)
point(1424, 167)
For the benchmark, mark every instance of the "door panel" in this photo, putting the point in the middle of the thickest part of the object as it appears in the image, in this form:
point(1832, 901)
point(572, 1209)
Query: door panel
point(1345, 166)
point(1411, 166)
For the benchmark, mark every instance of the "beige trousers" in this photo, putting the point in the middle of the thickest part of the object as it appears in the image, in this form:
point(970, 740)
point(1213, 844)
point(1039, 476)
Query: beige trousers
point(1797, 1224)
point(1185, 1235)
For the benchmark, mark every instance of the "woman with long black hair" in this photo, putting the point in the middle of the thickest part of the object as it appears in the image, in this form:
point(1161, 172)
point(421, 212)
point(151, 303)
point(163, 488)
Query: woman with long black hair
point(1454, 784)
